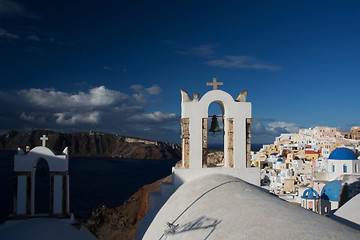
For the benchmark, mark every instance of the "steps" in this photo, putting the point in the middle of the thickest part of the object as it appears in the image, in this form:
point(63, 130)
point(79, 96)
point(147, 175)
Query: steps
point(157, 199)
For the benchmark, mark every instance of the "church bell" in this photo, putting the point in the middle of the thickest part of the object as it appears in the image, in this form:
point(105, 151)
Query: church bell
point(214, 125)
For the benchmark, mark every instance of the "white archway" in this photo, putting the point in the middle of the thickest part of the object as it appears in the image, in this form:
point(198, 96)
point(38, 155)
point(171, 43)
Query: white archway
point(41, 183)
point(236, 115)
point(214, 140)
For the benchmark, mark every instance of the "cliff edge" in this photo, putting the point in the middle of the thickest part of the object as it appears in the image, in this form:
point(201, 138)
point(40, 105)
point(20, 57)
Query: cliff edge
point(92, 144)
point(121, 223)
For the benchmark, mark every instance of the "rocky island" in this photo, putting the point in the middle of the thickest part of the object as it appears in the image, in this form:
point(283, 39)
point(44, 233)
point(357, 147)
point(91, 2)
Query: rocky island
point(92, 144)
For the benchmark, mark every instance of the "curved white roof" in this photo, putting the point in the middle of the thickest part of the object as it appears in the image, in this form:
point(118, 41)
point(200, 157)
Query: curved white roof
point(225, 207)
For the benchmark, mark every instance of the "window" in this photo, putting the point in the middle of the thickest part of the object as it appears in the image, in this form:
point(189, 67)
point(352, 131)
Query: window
point(356, 168)
point(345, 168)
point(333, 168)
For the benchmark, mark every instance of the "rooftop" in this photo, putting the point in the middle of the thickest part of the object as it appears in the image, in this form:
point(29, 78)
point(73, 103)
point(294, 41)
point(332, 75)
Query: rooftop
point(342, 154)
point(225, 207)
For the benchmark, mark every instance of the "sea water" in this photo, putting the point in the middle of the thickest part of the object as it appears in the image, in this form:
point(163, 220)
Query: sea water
point(94, 182)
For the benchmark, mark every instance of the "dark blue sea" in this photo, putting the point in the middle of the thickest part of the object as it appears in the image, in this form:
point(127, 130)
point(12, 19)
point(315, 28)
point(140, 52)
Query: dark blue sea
point(94, 182)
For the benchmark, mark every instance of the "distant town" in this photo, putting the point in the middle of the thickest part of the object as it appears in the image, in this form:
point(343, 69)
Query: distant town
point(316, 168)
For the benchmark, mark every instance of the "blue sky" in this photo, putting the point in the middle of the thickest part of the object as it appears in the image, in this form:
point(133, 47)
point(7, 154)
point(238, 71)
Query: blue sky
point(118, 66)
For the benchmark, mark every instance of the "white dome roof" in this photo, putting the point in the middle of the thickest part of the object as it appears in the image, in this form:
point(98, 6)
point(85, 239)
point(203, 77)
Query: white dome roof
point(225, 207)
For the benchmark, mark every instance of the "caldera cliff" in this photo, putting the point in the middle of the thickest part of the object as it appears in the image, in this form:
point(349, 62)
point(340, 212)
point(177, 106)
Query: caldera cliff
point(92, 144)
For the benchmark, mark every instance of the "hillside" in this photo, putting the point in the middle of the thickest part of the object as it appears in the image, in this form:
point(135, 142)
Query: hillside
point(92, 144)
point(123, 221)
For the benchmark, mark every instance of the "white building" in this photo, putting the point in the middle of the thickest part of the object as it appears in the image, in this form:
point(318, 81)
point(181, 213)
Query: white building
point(330, 195)
point(283, 137)
point(342, 161)
point(24, 171)
point(321, 164)
point(26, 222)
point(310, 200)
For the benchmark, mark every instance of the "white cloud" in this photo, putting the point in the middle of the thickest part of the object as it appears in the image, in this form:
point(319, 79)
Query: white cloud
point(77, 118)
point(154, 117)
point(50, 98)
point(139, 98)
point(27, 117)
point(154, 90)
point(5, 34)
point(33, 118)
point(52, 39)
point(246, 62)
point(98, 109)
point(289, 127)
point(8, 7)
point(137, 87)
point(266, 130)
point(36, 38)
point(203, 50)
point(33, 37)
point(101, 96)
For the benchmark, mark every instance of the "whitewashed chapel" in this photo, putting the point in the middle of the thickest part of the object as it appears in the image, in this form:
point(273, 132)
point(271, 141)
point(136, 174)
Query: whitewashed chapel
point(54, 221)
point(24, 173)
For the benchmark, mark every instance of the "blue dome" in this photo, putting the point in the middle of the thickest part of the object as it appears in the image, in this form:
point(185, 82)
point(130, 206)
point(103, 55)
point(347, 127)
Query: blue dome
point(331, 191)
point(273, 154)
point(279, 160)
point(342, 154)
point(310, 193)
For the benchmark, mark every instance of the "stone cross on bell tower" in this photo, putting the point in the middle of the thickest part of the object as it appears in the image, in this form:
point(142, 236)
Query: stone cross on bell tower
point(44, 139)
point(214, 84)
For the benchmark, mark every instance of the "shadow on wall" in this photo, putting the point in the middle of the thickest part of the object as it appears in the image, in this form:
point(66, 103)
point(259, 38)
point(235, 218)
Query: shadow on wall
point(346, 222)
point(349, 191)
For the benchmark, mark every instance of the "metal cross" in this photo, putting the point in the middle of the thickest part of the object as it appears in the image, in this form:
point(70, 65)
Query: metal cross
point(214, 83)
point(43, 139)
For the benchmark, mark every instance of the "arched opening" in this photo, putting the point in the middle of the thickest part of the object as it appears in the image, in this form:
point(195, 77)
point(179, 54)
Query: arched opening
point(42, 187)
point(215, 140)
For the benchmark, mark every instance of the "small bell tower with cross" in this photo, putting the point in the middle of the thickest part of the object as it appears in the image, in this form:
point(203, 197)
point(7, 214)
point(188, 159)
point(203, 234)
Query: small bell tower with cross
point(24, 181)
point(236, 115)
